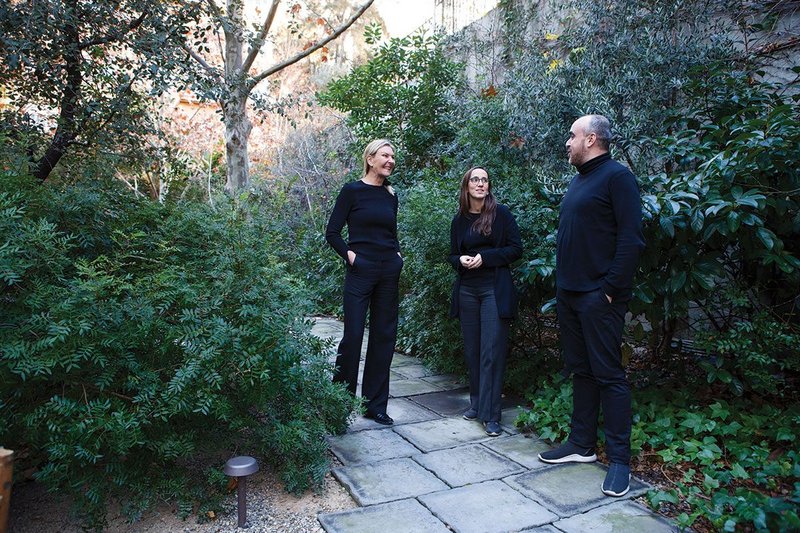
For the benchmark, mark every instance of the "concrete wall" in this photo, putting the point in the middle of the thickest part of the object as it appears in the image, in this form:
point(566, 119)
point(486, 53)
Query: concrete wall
point(480, 44)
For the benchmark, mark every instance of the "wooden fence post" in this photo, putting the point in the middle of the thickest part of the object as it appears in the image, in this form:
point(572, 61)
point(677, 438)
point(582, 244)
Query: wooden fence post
point(6, 470)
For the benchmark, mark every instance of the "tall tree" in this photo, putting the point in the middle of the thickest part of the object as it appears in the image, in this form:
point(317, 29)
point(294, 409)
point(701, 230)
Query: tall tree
point(232, 84)
point(88, 62)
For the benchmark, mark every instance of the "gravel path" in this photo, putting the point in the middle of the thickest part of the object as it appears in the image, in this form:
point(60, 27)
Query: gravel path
point(270, 509)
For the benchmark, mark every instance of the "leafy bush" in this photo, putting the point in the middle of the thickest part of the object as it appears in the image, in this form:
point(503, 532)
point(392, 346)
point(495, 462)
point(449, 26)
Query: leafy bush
point(723, 225)
point(627, 60)
point(733, 464)
point(139, 341)
point(424, 227)
point(400, 94)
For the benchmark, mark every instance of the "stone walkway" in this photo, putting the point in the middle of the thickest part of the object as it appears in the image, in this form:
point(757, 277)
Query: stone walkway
point(434, 472)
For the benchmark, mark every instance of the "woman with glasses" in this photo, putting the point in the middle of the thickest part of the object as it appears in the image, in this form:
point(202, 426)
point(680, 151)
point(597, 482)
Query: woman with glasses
point(484, 241)
point(373, 262)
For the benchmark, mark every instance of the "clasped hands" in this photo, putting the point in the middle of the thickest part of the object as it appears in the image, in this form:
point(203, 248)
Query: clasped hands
point(468, 261)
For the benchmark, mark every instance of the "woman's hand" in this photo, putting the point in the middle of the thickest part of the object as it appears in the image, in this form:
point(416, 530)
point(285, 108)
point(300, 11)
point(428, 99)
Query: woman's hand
point(471, 262)
point(351, 257)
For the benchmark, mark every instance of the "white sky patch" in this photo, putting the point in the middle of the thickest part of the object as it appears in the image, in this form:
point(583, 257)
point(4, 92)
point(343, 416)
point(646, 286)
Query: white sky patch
point(404, 16)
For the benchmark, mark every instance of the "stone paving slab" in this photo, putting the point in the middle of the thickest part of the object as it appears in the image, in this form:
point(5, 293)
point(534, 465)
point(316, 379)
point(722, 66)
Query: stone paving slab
point(467, 464)
point(489, 507)
point(521, 449)
point(617, 517)
point(327, 328)
point(442, 433)
point(394, 479)
point(370, 446)
point(545, 529)
point(394, 376)
point(569, 489)
point(416, 370)
point(509, 417)
point(446, 403)
point(402, 493)
point(402, 410)
point(399, 359)
point(411, 387)
point(446, 381)
point(404, 516)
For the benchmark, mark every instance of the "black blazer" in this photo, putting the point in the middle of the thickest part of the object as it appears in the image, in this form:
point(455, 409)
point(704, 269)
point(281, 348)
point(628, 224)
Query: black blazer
point(507, 249)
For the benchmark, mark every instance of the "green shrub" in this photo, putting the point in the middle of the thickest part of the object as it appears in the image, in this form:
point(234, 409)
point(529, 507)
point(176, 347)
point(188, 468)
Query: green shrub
point(139, 342)
point(722, 227)
point(400, 94)
point(425, 327)
point(733, 464)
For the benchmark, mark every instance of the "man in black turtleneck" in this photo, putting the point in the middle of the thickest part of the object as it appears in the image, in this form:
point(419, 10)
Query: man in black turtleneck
point(599, 242)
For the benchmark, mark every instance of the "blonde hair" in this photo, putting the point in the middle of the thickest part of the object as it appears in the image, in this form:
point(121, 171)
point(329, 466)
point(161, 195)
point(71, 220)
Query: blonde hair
point(372, 149)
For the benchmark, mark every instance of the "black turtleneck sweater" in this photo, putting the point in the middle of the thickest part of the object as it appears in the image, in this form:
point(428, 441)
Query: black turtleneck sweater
point(600, 230)
point(370, 212)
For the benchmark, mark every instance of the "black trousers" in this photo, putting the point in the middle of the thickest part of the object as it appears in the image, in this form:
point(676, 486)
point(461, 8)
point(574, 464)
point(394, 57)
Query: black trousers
point(485, 348)
point(369, 285)
point(591, 336)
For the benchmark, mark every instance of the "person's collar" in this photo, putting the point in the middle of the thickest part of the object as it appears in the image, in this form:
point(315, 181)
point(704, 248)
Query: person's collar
point(593, 163)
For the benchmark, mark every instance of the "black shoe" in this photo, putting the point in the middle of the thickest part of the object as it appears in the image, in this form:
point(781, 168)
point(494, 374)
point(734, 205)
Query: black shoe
point(493, 429)
point(568, 453)
point(618, 480)
point(470, 414)
point(381, 418)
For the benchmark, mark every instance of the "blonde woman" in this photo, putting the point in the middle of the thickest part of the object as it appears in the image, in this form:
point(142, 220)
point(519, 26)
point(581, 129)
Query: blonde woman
point(373, 263)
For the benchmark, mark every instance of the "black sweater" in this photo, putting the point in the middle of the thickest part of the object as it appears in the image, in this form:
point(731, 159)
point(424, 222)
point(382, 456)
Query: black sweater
point(600, 230)
point(370, 212)
point(507, 248)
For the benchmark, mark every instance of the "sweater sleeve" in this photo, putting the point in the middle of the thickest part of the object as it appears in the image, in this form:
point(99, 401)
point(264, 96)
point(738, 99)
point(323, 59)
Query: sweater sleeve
point(627, 207)
point(510, 248)
point(454, 255)
point(333, 233)
point(396, 240)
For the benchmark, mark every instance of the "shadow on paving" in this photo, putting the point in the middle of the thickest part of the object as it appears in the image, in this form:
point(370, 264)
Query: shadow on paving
point(433, 471)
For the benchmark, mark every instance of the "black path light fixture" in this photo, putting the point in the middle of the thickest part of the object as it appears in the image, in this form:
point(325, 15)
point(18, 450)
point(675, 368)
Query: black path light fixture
point(241, 467)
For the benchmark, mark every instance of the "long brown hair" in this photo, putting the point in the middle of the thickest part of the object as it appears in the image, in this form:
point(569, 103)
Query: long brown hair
point(483, 224)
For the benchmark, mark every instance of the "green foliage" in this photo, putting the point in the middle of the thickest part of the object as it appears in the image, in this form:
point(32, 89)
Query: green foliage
point(550, 410)
point(138, 340)
point(626, 60)
point(424, 227)
point(400, 94)
point(92, 63)
point(738, 462)
point(723, 225)
point(735, 458)
point(759, 355)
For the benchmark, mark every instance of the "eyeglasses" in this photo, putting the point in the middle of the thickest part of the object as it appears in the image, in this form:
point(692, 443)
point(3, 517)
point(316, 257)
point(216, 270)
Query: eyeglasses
point(478, 179)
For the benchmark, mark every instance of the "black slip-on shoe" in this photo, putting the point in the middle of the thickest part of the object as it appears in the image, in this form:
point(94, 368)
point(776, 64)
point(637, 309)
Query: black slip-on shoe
point(381, 418)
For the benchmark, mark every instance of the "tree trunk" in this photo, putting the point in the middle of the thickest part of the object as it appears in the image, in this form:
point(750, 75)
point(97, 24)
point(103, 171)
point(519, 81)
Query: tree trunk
point(234, 103)
point(237, 135)
point(70, 96)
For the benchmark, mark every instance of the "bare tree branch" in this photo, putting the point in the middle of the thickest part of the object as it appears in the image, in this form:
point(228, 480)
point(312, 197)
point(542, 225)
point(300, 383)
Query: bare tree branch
point(214, 73)
point(305, 53)
point(212, 5)
point(255, 48)
point(117, 35)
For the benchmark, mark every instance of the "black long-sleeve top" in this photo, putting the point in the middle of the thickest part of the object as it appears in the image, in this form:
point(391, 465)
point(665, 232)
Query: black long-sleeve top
point(370, 212)
point(600, 230)
point(506, 248)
